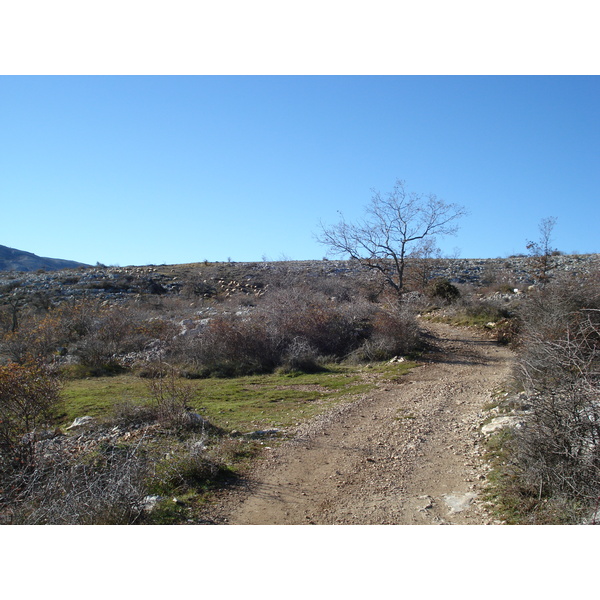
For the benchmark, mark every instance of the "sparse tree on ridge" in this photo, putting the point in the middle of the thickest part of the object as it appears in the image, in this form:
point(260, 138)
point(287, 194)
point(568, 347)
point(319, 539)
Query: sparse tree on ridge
point(541, 252)
point(394, 223)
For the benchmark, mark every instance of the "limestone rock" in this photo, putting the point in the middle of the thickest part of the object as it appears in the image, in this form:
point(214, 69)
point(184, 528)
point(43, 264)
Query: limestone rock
point(81, 421)
point(501, 422)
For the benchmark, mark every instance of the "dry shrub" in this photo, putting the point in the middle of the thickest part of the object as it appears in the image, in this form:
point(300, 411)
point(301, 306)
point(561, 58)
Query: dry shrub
point(116, 331)
point(295, 329)
point(189, 468)
point(300, 356)
point(99, 334)
point(41, 336)
point(171, 399)
point(43, 482)
point(127, 413)
point(332, 328)
point(104, 487)
point(29, 396)
point(558, 453)
point(232, 346)
point(110, 336)
point(36, 338)
point(395, 332)
point(289, 328)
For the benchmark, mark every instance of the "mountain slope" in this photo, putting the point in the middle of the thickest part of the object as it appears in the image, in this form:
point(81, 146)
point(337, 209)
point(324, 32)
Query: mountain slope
point(18, 260)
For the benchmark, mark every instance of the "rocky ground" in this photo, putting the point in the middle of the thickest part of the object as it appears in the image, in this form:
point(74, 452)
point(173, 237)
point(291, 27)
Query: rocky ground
point(111, 283)
point(408, 453)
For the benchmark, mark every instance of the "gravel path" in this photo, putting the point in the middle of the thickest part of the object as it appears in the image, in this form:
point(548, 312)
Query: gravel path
point(407, 453)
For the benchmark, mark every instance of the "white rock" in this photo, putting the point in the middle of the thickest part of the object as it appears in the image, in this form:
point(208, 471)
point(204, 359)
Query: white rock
point(458, 503)
point(397, 359)
point(262, 433)
point(500, 423)
point(149, 503)
point(80, 421)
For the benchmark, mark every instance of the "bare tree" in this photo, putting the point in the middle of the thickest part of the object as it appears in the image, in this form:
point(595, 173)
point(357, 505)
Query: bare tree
point(541, 251)
point(425, 260)
point(393, 223)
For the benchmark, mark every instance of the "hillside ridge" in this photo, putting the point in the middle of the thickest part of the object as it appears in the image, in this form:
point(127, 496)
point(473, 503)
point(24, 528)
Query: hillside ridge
point(12, 259)
point(209, 279)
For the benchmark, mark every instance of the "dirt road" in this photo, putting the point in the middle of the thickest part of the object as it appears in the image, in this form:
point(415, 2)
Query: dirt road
point(407, 453)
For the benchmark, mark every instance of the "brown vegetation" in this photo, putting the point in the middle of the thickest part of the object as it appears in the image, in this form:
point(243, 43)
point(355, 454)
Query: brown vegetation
point(230, 320)
point(552, 463)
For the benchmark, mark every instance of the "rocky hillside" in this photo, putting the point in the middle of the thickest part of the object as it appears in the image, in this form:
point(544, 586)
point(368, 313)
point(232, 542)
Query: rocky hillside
point(224, 279)
point(18, 260)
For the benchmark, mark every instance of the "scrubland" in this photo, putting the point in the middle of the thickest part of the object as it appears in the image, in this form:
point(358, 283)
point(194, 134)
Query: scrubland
point(187, 372)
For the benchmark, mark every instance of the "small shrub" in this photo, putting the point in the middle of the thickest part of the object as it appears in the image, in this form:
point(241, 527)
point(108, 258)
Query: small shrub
point(171, 397)
point(191, 468)
point(394, 333)
point(176, 475)
point(507, 331)
point(444, 290)
point(129, 413)
point(29, 397)
point(300, 356)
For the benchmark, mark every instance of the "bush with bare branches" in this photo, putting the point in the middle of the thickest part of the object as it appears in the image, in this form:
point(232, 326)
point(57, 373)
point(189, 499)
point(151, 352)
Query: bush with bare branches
point(556, 456)
point(29, 396)
point(106, 486)
point(394, 332)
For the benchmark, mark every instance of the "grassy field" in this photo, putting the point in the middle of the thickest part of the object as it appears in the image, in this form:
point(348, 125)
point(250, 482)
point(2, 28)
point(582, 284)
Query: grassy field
point(243, 404)
point(236, 406)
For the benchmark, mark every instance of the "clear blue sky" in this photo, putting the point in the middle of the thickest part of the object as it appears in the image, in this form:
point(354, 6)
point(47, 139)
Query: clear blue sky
point(172, 169)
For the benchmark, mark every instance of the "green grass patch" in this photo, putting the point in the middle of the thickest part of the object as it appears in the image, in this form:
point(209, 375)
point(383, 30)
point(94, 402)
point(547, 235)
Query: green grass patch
point(241, 403)
point(98, 396)
point(391, 371)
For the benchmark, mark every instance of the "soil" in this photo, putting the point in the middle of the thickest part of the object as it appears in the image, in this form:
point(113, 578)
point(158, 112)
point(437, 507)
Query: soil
point(408, 453)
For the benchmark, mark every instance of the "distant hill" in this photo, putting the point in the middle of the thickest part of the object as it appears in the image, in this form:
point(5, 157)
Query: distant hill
point(18, 260)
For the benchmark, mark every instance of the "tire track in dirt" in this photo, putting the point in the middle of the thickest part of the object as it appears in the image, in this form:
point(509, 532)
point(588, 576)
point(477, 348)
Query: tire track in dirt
point(407, 453)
